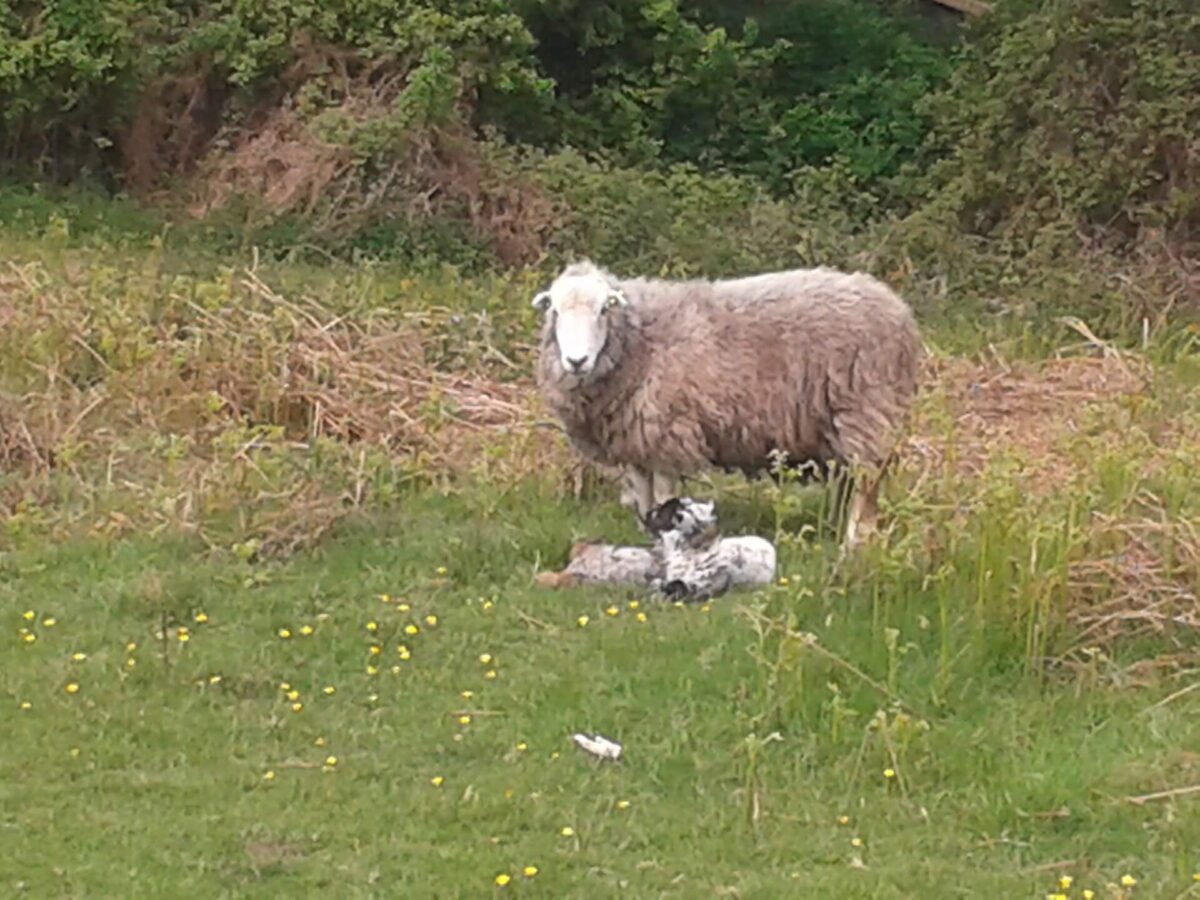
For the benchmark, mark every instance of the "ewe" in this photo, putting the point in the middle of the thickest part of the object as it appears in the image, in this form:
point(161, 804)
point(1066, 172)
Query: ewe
point(663, 379)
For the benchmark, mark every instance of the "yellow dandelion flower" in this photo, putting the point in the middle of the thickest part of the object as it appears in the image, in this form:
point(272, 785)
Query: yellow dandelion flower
point(1088, 894)
point(464, 720)
point(28, 615)
point(490, 674)
point(285, 633)
point(293, 695)
point(396, 670)
point(72, 688)
point(521, 745)
point(642, 617)
point(783, 582)
point(411, 629)
point(385, 598)
point(487, 604)
point(49, 622)
point(329, 689)
point(297, 707)
point(201, 618)
point(582, 621)
point(529, 871)
point(431, 620)
point(437, 780)
point(25, 704)
point(371, 698)
point(74, 751)
point(555, 755)
point(1196, 877)
point(331, 761)
point(856, 842)
point(1056, 897)
point(79, 657)
point(843, 820)
point(184, 637)
point(707, 607)
point(376, 649)
point(567, 831)
point(269, 775)
point(1128, 881)
point(466, 695)
point(29, 638)
point(634, 604)
point(502, 879)
point(130, 647)
point(372, 627)
point(372, 670)
point(306, 630)
point(319, 742)
point(214, 679)
point(1065, 882)
point(622, 804)
point(613, 610)
point(889, 773)
point(442, 570)
point(130, 663)
point(402, 607)
point(285, 686)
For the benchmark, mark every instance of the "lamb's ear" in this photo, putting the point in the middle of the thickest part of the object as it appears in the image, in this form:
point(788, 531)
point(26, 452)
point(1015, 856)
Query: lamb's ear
point(541, 301)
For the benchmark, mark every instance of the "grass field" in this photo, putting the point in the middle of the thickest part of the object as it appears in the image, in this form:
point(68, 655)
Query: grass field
point(269, 625)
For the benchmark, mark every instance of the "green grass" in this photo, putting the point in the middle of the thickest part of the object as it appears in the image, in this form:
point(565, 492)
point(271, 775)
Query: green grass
point(742, 748)
point(1007, 649)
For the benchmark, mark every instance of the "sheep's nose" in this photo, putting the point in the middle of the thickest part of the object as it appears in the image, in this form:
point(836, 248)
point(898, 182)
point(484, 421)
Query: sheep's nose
point(576, 362)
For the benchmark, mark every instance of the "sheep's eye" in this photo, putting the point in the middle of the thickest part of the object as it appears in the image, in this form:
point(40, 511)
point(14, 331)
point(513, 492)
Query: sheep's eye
point(609, 303)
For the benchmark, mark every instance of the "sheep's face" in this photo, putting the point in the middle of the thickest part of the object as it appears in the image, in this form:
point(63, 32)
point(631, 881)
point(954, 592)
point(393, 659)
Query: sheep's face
point(579, 309)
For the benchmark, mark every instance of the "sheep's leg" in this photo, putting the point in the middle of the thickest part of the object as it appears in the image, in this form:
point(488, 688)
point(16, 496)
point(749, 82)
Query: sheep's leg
point(863, 515)
point(639, 486)
point(663, 487)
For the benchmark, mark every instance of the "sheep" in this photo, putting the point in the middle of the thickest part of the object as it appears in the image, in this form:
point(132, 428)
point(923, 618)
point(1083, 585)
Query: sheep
point(699, 564)
point(665, 379)
point(689, 560)
point(591, 562)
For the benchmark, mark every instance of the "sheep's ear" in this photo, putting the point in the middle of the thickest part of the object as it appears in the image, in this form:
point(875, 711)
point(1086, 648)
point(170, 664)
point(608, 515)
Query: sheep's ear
point(541, 301)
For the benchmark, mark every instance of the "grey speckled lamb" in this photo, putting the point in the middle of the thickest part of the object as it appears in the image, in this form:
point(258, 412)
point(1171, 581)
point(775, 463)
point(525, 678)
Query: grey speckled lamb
point(662, 379)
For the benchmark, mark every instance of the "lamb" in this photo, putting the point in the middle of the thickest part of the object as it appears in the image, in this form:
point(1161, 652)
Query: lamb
point(689, 560)
point(665, 379)
point(699, 564)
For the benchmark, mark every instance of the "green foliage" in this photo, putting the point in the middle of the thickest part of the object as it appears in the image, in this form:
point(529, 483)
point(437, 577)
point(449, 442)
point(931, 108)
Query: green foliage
point(736, 86)
point(1074, 114)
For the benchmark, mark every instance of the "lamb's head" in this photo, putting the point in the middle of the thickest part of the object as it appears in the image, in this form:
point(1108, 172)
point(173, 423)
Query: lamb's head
point(690, 522)
point(582, 307)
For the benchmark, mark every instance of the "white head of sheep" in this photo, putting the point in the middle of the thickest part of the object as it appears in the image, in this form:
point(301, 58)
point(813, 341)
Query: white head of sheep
point(580, 303)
